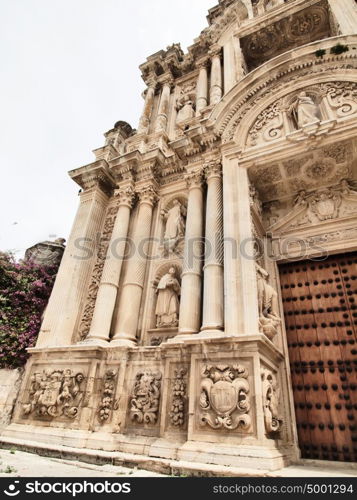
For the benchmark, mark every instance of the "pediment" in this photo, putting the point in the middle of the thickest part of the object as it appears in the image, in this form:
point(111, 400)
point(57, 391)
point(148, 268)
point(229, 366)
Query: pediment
point(318, 208)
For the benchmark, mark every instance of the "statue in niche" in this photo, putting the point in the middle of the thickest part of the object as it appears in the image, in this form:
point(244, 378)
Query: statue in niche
point(185, 108)
point(168, 305)
point(269, 318)
point(175, 225)
point(304, 111)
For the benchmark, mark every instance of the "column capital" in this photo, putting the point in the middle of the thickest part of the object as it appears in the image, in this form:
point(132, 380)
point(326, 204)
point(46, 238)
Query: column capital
point(213, 169)
point(125, 195)
point(166, 80)
point(215, 50)
point(194, 179)
point(202, 63)
point(147, 194)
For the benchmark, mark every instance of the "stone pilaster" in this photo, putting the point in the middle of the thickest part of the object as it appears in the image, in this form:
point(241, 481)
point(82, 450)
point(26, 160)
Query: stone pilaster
point(190, 306)
point(108, 288)
point(213, 270)
point(128, 312)
point(345, 14)
point(162, 115)
point(216, 76)
point(202, 87)
point(144, 122)
point(64, 307)
point(240, 284)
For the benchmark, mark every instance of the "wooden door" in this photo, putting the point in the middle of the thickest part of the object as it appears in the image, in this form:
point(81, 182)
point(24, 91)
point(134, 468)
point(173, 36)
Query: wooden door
point(320, 308)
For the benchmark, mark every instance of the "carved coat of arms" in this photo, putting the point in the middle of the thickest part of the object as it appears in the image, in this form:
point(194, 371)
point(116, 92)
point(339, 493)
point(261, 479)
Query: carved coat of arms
point(53, 394)
point(224, 397)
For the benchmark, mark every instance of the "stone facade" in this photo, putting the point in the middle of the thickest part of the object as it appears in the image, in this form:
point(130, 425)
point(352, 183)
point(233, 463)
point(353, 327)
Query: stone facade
point(165, 331)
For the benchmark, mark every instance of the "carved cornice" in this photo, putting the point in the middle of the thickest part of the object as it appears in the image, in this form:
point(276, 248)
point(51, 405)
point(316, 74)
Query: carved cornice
point(94, 175)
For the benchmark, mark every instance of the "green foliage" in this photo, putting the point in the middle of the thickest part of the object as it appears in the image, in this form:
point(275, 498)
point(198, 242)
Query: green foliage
point(339, 49)
point(320, 53)
point(24, 292)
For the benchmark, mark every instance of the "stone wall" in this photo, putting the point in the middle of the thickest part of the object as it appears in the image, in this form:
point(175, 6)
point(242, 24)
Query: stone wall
point(10, 381)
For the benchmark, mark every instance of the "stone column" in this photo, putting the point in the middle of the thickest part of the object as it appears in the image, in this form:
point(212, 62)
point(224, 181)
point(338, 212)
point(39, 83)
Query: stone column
point(162, 115)
point(108, 288)
point(202, 87)
point(144, 122)
point(229, 65)
point(129, 306)
point(345, 14)
point(190, 305)
point(62, 312)
point(216, 76)
point(240, 63)
point(213, 270)
point(240, 284)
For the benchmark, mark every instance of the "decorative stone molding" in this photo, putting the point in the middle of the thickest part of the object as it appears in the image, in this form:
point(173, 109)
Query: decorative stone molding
point(145, 398)
point(108, 402)
point(179, 398)
point(224, 398)
point(54, 394)
point(97, 272)
point(271, 403)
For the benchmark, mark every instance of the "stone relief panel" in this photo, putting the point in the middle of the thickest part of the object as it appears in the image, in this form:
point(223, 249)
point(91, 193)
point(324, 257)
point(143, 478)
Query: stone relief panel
point(108, 403)
point(325, 204)
point(284, 179)
point(306, 114)
point(296, 30)
point(224, 400)
point(178, 409)
point(145, 397)
point(273, 419)
point(54, 393)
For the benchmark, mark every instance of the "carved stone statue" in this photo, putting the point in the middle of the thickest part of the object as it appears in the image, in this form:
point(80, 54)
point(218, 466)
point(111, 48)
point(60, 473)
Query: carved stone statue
point(46, 253)
point(304, 110)
point(269, 317)
point(175, 225)
point(185, 108)
point(168, 305)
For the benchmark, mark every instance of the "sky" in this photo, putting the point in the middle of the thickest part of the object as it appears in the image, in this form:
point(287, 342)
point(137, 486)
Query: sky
point(69, 71)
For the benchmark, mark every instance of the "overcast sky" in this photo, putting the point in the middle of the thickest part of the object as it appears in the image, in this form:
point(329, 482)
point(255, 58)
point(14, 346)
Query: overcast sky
point(69, 71)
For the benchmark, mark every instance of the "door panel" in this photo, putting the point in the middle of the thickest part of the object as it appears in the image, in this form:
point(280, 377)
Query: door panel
point(320, 309)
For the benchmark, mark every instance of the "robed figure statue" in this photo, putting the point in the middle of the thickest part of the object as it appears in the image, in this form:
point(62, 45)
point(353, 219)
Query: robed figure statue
point(168, 305)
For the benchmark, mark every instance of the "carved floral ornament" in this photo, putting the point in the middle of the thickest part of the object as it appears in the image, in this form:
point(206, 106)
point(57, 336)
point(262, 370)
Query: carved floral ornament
point(309, 112)
point(54, 394)
point(224, 397)
point(179, 398)
point(107, 403)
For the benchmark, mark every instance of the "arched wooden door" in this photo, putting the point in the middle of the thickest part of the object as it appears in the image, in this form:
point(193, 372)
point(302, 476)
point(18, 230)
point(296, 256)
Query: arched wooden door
point(320, 308)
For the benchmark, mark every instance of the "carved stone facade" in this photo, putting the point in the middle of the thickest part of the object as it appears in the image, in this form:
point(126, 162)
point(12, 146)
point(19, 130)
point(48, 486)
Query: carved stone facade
point(165, 334)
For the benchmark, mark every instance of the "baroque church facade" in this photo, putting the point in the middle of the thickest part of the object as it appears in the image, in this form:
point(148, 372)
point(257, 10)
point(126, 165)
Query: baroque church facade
point(205, 308)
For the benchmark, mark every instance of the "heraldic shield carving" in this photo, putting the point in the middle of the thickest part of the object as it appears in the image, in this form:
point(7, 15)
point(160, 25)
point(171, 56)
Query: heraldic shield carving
point(224, 397)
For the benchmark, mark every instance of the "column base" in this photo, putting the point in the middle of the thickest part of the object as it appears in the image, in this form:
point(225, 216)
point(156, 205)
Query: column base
point(94, 341)
point(123, 343)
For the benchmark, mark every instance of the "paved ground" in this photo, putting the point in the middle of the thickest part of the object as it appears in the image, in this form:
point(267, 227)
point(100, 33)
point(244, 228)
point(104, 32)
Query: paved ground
point(20, 464)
